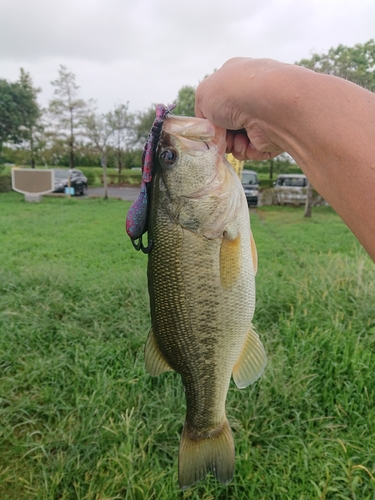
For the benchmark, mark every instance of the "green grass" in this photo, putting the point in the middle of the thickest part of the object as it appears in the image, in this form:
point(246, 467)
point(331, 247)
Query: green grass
point(81, 419)
point(95, 174)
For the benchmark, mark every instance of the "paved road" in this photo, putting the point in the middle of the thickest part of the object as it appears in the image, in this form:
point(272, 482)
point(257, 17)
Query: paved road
point(125, 193)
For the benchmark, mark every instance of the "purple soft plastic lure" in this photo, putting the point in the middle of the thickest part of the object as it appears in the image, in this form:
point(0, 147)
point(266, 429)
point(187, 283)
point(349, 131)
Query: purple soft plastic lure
point(136, 220)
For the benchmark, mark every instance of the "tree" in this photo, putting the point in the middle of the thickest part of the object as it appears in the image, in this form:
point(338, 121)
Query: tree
point(356, 64)
point(34, 140)
point(143, 124)
point(9, 115)
point(185, 101)
point(68, 109)
point(31, 127)
point(98, 130)
point(19, 109)
point(279, 164)
point(121, 122)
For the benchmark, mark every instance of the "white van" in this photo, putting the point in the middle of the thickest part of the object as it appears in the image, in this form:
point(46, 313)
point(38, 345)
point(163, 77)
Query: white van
point(290, 189)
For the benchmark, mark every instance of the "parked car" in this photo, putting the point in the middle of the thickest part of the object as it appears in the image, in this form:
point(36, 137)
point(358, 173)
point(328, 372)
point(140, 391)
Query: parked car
point(251, 187)
point(290, 189)
point(78, 181)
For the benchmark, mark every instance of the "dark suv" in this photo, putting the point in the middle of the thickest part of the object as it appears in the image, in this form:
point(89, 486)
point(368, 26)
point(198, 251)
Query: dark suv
point(251, 187)
point(78, 181)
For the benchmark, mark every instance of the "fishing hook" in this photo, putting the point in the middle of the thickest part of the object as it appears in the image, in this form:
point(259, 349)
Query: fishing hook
point(138, 245)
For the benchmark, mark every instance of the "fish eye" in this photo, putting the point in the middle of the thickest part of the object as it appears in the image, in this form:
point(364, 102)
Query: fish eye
point(168, 157)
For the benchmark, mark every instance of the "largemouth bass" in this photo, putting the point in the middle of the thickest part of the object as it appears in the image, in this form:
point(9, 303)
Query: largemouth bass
point(202, 263)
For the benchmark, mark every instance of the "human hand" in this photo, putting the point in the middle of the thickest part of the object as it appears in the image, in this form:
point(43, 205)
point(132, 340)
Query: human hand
point(235, 98)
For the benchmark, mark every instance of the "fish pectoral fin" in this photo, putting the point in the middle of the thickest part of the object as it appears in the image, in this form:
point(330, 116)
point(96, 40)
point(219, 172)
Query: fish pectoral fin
point(252, 361)
point(254, 254)
point(154, 360)
point(230, 259)
point(199, 455)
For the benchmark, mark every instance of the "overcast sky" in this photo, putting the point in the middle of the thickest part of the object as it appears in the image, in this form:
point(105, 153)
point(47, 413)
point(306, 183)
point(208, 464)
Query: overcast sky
point(144, 51)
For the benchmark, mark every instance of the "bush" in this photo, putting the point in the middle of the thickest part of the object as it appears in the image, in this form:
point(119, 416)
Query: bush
point(279, 167)
point(132, 177)
point(5, 183)
point(266, 183)
point(90, 174)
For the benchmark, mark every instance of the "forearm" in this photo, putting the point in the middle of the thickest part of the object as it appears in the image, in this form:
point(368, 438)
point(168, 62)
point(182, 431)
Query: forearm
point(325, 123)
point(328, 126)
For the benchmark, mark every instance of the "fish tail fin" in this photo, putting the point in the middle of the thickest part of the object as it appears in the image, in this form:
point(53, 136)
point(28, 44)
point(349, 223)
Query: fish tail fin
point(198, 456)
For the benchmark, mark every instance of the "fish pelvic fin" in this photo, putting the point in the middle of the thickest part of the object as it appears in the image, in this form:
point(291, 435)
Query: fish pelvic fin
point(200, 455)
point(154, 360)
point(252, 361)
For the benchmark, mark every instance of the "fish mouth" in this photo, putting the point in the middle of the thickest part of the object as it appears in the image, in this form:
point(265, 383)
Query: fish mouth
point(196, 129)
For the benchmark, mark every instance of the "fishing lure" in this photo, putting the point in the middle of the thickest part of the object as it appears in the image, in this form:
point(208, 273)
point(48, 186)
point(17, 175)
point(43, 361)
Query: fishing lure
point(136, 220)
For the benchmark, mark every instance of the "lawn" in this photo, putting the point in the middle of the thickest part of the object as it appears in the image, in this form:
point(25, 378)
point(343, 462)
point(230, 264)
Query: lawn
point(81, 419)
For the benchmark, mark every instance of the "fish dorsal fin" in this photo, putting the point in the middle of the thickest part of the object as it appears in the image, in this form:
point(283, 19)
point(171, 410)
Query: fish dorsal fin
point(154, 360)
point(230, 260)
point(254, 253)
point(252, 361)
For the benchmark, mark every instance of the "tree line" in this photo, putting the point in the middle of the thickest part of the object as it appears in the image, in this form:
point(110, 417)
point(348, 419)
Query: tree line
point(70, 132)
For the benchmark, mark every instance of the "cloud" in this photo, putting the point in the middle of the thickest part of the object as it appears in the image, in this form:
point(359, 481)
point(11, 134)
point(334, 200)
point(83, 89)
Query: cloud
point(144, 51)
point(89, 29)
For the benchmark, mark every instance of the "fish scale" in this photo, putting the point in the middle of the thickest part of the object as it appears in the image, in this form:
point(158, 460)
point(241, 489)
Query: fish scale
point(185, 322)
point(201, 279)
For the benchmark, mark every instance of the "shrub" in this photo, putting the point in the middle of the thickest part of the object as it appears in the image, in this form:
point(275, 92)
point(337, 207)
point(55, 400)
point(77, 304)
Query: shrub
point(279, 167)
point(90, 174)
point(132, 177)
point(5, 183)
point(266, 183)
